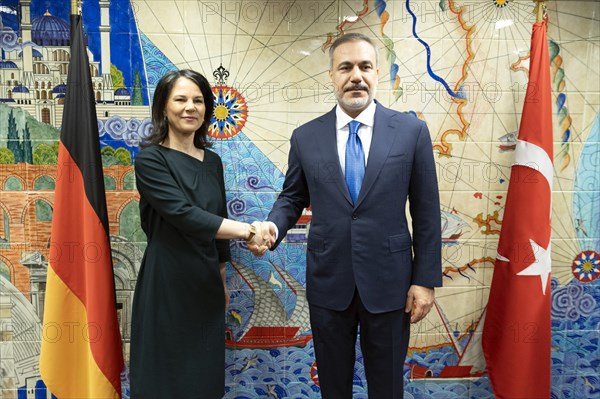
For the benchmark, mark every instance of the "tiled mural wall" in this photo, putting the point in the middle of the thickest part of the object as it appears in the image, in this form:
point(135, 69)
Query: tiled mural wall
point(460, 65)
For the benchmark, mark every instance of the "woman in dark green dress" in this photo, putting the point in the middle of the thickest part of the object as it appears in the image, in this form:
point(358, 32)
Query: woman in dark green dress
point(178, 331)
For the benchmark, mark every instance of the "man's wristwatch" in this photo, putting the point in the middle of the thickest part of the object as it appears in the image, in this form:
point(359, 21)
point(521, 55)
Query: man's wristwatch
point(252, 232)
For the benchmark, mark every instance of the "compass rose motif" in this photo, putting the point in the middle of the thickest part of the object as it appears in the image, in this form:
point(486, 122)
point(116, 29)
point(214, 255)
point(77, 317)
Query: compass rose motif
point(586, 266)
point(230, 113)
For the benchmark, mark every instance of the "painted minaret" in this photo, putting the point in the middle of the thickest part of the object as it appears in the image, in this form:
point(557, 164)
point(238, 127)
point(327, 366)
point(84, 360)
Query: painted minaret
point(107, 85)
point(26, 37)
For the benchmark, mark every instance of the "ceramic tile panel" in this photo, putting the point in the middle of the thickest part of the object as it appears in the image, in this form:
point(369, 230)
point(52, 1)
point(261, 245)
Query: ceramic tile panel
point(460, 65)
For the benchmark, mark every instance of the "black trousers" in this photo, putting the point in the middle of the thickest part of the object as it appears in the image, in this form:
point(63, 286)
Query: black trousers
point(383, 343)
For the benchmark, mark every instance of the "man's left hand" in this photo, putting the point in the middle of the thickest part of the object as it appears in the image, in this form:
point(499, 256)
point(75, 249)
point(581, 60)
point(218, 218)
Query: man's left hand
point(419, 301)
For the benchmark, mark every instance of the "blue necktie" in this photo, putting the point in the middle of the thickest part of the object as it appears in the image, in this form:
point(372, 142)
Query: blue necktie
point(355, 161)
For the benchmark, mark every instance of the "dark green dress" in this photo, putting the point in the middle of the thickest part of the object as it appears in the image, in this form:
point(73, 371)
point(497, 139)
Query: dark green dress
point(177, 327)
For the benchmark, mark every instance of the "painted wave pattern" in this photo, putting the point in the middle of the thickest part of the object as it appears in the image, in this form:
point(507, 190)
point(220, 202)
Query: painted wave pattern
point(157, 64)
point(278, 373)
point(575, 340)
point(586, 196)
point(131, 131)
point(247, 169)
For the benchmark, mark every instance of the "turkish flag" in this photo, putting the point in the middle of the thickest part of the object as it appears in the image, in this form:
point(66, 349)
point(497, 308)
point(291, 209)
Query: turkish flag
point(517, 330)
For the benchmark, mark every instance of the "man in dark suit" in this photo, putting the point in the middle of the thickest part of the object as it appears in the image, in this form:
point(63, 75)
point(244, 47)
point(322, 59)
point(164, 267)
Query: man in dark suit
point(356, 166)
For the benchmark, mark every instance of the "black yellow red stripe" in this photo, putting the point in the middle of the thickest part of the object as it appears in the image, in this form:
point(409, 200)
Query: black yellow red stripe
point(81, 353)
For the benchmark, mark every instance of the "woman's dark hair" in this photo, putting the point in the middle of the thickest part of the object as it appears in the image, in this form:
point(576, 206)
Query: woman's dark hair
point(160, 125)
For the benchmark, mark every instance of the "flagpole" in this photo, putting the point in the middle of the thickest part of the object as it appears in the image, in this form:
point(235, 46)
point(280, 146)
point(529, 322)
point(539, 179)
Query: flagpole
point(540, 9)
point(80, 290)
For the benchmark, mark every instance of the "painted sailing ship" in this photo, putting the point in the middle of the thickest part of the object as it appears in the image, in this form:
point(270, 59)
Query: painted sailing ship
point(465, 344)
point(299, 233)
point(269, 325)
point(508, 142)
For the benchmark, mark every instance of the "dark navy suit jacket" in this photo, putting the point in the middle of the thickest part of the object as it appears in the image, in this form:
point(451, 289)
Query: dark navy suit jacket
point(367, 245)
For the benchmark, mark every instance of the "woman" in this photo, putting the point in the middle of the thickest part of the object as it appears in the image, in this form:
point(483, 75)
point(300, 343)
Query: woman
point(178, 332)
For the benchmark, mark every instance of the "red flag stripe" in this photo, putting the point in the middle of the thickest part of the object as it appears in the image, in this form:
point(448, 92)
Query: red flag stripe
point(81, 258)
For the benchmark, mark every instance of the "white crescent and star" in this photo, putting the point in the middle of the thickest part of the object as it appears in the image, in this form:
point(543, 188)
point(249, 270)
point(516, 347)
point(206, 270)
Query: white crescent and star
point(535, 157)
point(541, 265)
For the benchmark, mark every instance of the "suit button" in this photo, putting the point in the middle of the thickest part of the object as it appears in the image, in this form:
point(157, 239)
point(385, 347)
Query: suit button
point(354, 216)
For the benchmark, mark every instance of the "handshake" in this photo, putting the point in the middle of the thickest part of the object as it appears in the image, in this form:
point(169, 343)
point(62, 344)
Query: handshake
point(263, 239)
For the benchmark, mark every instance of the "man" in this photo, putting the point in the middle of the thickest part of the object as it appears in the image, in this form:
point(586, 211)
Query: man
point(362, 266)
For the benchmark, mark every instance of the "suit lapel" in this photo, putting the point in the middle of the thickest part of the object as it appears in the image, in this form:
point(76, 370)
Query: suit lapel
point(381, 143)
point(331, 168)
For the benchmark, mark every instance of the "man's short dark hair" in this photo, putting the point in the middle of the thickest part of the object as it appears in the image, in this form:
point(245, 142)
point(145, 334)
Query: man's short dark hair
point(351, 37)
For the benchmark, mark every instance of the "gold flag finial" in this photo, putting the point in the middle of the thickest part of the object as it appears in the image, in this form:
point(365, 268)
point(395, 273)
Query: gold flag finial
point(75, 7)
point(539, 10)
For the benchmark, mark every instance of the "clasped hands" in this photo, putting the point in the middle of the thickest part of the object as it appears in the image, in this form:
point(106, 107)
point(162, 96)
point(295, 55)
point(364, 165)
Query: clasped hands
point(263, 239)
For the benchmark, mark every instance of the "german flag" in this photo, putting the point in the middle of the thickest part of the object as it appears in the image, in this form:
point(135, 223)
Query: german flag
point(81, 355)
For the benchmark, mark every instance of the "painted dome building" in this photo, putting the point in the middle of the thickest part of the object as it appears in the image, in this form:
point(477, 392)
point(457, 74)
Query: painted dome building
point(8, 65)
point(35, 77)
point(9, 75)
point(49, 30)
point(122, 96)
point(21, 95)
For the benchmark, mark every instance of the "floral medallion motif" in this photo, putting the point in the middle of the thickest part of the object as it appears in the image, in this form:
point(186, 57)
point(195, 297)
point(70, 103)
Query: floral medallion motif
point(230, 113)
point(586, 266)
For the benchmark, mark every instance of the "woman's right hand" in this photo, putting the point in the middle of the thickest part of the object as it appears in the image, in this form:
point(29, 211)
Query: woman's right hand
point(263, 239)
